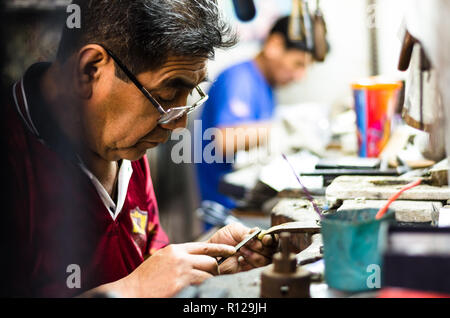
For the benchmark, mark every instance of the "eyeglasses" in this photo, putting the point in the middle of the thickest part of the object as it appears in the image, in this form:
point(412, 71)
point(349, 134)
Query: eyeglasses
point(171, 114)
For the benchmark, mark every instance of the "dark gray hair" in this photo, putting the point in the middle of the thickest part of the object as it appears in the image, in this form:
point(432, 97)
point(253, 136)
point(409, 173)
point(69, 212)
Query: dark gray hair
point(281, 27)
point(144, 33)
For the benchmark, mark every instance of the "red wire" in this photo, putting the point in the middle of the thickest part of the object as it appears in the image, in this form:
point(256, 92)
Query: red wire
point(383, 210)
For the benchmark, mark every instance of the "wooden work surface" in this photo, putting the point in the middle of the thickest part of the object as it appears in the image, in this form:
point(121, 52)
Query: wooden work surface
point(405, 211)
point(248, 284)
point(381, 188)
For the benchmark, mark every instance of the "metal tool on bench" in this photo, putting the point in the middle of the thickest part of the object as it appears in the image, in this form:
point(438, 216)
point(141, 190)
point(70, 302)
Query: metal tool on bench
point(292, 227)
point(330, 174)
point(330, 169)
point(283, 279)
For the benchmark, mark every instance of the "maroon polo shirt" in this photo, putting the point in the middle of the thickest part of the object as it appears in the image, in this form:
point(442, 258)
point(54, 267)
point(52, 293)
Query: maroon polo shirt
point(57, 216)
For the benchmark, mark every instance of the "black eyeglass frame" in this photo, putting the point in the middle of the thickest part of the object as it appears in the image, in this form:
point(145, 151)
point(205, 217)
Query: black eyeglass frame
point(172, 113)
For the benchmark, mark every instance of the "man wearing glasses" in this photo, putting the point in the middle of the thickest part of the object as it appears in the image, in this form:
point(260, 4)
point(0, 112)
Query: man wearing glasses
point(83, 214)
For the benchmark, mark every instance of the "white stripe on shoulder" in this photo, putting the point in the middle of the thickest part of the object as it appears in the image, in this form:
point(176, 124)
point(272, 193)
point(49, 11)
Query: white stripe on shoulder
point(18, 108)
point(27, 108)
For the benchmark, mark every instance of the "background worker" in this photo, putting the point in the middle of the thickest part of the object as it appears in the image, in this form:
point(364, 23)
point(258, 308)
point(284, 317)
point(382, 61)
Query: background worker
point(242, 102)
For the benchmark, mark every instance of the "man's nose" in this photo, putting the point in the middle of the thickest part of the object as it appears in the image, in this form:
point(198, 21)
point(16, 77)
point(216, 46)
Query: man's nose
point(179, 123)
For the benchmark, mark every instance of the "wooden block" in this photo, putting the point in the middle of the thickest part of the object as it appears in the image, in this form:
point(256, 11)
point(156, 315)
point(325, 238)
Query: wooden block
point(405, 211)
point(381, 188)
point(296, 210)
point(420, 164)
point(312, 252)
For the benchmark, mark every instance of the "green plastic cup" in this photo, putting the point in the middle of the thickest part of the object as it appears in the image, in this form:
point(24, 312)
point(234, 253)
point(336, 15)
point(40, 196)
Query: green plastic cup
point(351, 240)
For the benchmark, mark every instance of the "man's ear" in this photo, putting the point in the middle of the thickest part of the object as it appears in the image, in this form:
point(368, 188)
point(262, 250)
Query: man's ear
point(274, 46)
point(91, 61)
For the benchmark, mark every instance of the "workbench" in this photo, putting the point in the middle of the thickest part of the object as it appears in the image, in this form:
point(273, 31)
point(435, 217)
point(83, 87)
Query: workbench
point(308, 246)
point(248, 284)
point(419, 206)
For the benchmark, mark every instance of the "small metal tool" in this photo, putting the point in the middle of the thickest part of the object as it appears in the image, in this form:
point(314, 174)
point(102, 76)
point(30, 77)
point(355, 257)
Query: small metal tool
point(241, 244)
point(292, 227)
point(283, 279)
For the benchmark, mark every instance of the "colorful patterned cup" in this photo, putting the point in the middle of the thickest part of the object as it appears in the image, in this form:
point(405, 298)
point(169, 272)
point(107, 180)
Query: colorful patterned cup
point(375, 103)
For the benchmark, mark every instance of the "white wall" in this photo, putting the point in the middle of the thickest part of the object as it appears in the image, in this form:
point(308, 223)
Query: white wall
point(329, 82)
point(389, 20)
point(349, 58)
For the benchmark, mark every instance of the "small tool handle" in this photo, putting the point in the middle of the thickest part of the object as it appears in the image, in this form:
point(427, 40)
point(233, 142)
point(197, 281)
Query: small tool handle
point(406, 51)
point(383, 210)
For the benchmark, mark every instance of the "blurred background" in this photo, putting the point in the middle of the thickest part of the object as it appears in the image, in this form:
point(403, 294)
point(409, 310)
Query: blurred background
point(364, 38)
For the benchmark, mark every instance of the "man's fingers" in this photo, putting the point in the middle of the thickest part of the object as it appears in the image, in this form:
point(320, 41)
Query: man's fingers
point(255, 245)
point(258, 247)
point(238, 232)
point(265, 253)
point(210, 249)
point(198, 277)
point(255, 259)
point(243, 264)
point(270, 240)
point(205, 263)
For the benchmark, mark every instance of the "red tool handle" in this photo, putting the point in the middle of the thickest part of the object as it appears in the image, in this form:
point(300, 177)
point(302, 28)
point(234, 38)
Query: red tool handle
point(383, 210)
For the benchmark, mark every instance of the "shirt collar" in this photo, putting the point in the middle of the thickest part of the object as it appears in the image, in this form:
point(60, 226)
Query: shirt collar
point(125, 172)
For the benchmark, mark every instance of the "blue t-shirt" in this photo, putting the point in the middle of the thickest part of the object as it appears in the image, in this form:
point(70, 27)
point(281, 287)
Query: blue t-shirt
point(240, 94)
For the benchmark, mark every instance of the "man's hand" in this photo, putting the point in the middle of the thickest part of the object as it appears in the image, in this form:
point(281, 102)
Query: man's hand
point(171, 269)
point(255, 254)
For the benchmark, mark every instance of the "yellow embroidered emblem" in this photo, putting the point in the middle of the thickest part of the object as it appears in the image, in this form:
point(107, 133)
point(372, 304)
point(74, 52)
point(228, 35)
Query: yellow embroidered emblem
point(139, 220)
